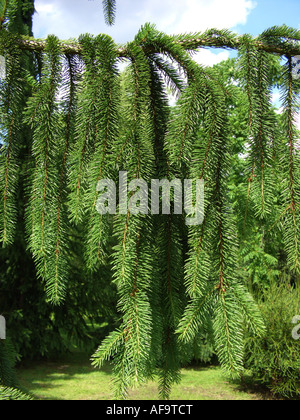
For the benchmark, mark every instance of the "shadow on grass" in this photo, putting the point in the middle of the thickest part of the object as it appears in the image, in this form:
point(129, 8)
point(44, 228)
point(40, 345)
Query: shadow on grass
point(40, 378)
point(74, 378)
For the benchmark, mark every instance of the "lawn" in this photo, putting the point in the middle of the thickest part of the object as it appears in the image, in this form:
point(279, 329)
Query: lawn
point(75, 379)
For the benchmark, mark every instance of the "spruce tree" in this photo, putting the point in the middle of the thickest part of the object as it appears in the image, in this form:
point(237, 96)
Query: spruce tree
point(173, 280)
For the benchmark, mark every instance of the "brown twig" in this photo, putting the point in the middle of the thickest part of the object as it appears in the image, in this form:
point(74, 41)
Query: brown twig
point(74, 47)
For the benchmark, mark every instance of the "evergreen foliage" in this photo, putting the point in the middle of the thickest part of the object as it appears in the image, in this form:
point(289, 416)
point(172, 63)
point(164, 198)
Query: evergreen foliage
point(109, 10)
point(273, 359)
point(15, 17)
point(88, 123)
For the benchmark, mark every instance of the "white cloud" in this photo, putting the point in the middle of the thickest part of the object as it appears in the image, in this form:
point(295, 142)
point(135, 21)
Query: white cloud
point(61, 17)
point(209, 58)
point(275, 98)
point(70, 18)
point(297, 121)
point(199, 15)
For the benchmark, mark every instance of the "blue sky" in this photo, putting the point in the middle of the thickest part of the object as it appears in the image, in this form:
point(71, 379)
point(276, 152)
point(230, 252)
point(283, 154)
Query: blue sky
point(269, 13)
point(69, 18)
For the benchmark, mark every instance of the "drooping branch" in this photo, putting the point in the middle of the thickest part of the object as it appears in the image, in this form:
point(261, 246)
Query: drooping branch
point(211, 38)
point(128, 125)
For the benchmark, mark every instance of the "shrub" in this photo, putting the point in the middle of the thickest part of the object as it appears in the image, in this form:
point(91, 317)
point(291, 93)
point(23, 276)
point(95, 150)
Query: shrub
point(274, 359)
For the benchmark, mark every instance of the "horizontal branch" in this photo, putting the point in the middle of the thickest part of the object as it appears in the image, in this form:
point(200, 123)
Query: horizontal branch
point(213, 41)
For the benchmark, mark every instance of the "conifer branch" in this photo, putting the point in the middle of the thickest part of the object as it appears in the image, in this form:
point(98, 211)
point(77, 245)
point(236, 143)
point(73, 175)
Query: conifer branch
point(42, 116)
point(109, 8)
point(255, 70)
point(271, 43)
point(60, 243)
point(12, 95)
point(130, 266)
point(291, 177)
point(123, 123)
point(106, 131)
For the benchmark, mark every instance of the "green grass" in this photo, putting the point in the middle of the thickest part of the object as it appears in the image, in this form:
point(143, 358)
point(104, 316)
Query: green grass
point(75, 379)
